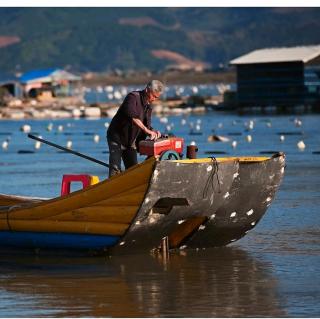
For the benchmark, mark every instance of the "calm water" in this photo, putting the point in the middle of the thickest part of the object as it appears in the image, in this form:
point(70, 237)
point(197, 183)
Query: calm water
point(273, 271)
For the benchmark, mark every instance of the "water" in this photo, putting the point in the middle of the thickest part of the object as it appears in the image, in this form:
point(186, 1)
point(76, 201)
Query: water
point(273, 271)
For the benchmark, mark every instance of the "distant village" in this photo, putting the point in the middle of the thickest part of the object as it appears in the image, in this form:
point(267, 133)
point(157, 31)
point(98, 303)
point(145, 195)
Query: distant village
point(265, 79)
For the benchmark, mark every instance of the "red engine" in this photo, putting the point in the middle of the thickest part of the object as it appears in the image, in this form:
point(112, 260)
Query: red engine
point(153, 148)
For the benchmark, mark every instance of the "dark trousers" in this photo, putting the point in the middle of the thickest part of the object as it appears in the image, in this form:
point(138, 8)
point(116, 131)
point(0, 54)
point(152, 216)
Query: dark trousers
point(116, 153)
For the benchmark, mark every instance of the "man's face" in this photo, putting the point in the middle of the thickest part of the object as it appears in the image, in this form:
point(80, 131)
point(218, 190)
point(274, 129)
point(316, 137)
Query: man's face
point(152, 96)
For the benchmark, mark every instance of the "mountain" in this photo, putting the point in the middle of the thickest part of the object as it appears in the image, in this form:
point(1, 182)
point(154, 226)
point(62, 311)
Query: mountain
point(102, 39)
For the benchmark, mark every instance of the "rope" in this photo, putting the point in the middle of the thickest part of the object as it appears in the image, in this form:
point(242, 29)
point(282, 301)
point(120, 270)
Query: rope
point(210, 180)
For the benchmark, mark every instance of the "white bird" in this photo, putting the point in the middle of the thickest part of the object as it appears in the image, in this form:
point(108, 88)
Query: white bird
point(96, 138)
point(282, 138)
point(25, 128)
point(234, 144)
point(249, 138)
point(69, 144)
point(301, 145)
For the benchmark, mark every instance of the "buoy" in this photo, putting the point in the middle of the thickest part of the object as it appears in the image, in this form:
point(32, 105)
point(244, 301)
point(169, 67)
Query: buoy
point(183, 122)
point(25, 128)
point(37, 145)
point(282, 138)
point(234, 144)
point(49, 127)
point(96, 138)
point(193, 143)
point(164, 120)
point(249, 138)
point(69, 144)
point(60, 128)
point(5, 145)
point(301, 145)
point(106, 124)
point(268, 124)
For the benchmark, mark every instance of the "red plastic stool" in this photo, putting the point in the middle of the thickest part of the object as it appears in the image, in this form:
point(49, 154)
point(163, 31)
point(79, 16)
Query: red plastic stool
point(85, 179)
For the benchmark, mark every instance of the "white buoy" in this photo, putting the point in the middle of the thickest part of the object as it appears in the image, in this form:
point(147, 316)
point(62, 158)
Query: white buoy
point(117, 95)
point(183, 121)
point(110, 96)
point(282, 138)
point(198, 127)
point(297, 122)
point(49, 127)
point(193, 143)
point(106, 124)
point(195, 90)
point(249, 138)
point(5, 145)
point(25, 128)
point(220, 125)
point(269, 124)
point(69, 144)
point(234, 144)
point(37, 145)
point(60, 128)
point(301, 145)
point(164, 120)
point(109, 88)
point(96, 138)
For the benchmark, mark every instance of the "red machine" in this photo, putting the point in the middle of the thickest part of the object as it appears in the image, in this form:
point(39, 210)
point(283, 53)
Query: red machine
point(161, 145)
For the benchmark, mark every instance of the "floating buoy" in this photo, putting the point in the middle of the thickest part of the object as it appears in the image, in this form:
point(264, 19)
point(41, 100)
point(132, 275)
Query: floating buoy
point(183, 122)
point(164, 120)
point(49, 127)
point(69, 144)
point(249, 138)
point(268, 124)
point(96, 138)
point(106, 124)
point(5, 144)
point(301, 145)
point(25, 128)
point(234, 144)
point(282, 138)
point(297, 122)
point(37, 145)
point(220, 125)
point(60, 128)
point(193, 143)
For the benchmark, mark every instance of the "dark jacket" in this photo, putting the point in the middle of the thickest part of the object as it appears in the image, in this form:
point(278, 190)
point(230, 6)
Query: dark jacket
point(122, 129)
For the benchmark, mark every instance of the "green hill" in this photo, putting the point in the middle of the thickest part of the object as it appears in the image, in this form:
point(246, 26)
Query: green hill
point(101, 39)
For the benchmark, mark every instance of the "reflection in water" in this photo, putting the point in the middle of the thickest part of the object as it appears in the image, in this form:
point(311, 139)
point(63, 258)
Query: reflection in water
point(223, 282)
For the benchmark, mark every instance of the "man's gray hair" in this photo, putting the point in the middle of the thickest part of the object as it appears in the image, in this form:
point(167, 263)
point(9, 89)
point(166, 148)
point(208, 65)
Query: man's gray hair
point(156, 86)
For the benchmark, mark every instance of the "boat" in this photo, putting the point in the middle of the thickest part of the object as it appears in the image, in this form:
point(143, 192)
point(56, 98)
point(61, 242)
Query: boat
point(196, 203)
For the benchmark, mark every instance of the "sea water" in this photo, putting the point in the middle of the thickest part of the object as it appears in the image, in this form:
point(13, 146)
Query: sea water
point(272, 271)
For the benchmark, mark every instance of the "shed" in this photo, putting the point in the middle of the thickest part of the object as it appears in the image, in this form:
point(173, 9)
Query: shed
point(56, 81)
point(287, 76)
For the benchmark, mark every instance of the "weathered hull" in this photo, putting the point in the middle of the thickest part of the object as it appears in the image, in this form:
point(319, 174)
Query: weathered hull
point(195, 203)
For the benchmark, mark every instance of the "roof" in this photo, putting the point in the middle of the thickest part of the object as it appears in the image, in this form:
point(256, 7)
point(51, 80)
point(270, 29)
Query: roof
point(293, 54)
point(48, 75)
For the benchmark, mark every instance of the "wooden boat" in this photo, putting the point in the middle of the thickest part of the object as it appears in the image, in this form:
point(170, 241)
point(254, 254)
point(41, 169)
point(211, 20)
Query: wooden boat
point(194, 202)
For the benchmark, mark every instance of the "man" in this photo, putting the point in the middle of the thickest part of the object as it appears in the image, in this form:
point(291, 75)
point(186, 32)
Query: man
point(131, 124)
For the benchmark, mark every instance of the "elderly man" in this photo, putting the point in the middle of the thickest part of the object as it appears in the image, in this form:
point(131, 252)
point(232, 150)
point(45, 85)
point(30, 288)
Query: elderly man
point(131, 124)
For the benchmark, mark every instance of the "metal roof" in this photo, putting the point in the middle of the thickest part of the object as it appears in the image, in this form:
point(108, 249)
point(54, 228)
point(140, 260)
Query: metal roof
point(270, 55)
point(48, 75)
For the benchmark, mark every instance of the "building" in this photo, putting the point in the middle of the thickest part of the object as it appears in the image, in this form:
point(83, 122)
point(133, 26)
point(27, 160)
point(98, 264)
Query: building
point(49, 83)
point(279, 77)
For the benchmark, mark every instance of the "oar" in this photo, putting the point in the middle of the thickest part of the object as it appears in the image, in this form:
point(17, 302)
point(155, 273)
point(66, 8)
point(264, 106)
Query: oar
point(68, 150)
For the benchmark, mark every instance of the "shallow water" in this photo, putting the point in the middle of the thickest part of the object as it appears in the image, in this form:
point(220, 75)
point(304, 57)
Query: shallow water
point(272, 271)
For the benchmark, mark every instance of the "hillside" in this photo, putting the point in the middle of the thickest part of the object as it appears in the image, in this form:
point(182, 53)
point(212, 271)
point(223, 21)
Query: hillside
point(102, 39)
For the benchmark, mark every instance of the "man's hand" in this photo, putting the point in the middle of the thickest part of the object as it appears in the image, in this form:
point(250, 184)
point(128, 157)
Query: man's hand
point(153, 134)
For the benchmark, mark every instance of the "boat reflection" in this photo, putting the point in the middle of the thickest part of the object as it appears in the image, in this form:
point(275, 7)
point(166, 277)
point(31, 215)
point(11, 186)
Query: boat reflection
point(224, 282)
